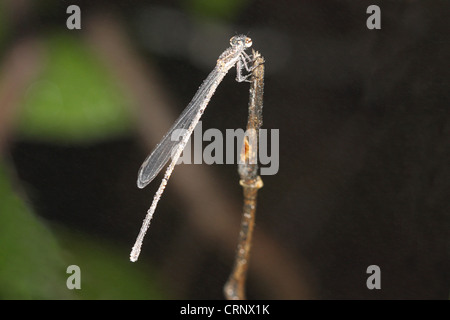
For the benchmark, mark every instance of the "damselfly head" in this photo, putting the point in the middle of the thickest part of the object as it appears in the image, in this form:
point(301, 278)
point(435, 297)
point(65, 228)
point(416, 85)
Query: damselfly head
point(241, 40)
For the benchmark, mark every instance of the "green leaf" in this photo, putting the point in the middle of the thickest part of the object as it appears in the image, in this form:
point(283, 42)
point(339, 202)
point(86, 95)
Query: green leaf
point(74, 99)
point(35, 257)
point(31, 264)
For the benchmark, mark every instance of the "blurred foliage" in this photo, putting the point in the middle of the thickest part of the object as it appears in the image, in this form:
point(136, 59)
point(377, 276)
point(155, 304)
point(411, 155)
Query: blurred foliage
point(31, 264)
point(3, 23)
point(74, 99)
point(34, 259)
point(106, 271)
point(219, 9)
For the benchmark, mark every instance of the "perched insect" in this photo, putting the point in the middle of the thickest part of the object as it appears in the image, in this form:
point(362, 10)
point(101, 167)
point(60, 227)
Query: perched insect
point(172, 146)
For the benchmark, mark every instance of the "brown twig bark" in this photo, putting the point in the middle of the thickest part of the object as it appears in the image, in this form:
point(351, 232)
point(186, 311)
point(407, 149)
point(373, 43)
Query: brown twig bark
point(250, 181)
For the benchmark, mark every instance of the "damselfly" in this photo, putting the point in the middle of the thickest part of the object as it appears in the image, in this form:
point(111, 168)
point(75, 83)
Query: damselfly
point(172, 145)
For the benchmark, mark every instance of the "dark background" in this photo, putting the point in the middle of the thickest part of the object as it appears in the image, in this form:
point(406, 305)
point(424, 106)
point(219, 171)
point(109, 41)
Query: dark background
point(364, 175)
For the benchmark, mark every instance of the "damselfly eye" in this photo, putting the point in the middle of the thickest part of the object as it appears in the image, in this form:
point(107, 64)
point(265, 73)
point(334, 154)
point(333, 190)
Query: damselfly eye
point(241, 40)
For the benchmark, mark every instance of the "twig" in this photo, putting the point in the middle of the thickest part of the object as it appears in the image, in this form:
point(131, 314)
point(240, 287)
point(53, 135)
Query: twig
point(234, 289)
